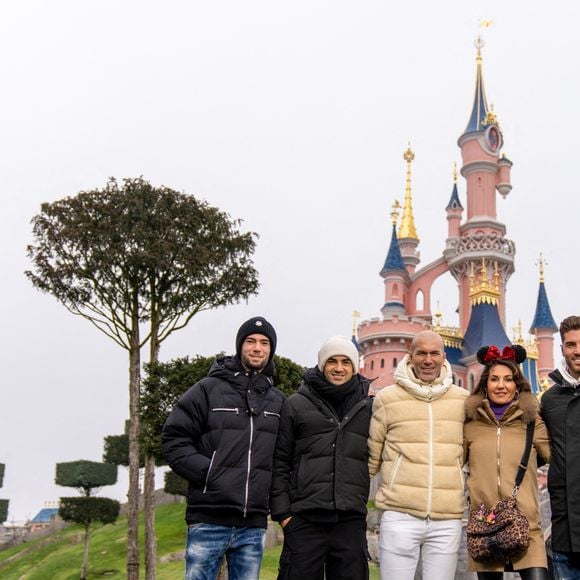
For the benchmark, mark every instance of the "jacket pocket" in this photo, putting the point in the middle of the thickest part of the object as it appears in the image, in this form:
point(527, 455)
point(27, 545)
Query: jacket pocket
point(394, 471)
point(227, 410)
point(461, 474)
point(209, 471)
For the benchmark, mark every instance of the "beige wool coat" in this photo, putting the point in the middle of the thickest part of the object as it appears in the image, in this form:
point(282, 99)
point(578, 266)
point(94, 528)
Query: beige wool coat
point(494, 450)
point(415, 441)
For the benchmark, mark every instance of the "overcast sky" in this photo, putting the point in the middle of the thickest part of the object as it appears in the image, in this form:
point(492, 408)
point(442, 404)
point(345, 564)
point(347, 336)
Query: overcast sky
point(291, 116)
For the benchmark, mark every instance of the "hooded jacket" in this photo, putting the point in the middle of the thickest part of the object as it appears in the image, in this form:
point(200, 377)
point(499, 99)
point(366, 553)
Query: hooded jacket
point(560, 409)
point(320, 462)
point(220, 437)
point(494, 450)
point(415, 442)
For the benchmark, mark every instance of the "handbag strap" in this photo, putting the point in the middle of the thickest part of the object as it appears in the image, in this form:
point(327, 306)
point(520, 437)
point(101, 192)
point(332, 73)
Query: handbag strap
point(525, 457)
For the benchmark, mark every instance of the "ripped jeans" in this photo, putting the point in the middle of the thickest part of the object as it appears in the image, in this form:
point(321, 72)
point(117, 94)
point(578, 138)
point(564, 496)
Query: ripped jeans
point(207, 544)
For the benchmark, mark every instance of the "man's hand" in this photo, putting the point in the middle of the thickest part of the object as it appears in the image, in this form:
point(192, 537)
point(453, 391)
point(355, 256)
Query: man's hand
point(284, 523)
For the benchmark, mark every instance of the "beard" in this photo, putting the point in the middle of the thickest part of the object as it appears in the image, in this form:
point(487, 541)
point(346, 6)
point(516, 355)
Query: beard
point(250, 365)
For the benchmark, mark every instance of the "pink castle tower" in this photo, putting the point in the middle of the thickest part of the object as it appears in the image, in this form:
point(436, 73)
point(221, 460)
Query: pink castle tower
point(544, 327)
point(477, 254)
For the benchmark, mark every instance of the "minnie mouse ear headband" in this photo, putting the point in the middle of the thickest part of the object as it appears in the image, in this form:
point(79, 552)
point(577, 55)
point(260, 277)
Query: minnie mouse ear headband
point(491, 353)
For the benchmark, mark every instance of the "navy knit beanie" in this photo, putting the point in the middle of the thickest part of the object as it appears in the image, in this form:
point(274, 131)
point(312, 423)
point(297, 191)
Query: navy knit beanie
point(256, 325)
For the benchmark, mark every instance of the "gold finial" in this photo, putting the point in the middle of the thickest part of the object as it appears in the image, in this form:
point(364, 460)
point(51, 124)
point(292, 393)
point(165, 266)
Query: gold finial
point(482, 288)
point(490, 118)
point(407, 227)
point(479, 42)
point(395, 211)
point(496, 277)
point(438, 317)
point(355, 317)
point(518, 333)
point(455, 172)
point(541, 262)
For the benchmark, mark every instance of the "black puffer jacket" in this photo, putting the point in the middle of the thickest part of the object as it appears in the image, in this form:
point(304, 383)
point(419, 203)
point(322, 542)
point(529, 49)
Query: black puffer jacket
point(320, 462)
point(560, 410)
point(220, 437)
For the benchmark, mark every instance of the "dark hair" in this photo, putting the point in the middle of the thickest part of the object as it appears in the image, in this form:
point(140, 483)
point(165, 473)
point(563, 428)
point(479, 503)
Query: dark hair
point(521, 382)
point(568, 324)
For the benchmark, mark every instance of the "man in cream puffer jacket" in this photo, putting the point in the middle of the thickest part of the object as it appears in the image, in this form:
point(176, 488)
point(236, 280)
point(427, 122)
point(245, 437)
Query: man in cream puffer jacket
point(416, 442)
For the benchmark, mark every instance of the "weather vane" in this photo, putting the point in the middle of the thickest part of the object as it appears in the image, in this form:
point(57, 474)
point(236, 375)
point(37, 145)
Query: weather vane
point(479, 42)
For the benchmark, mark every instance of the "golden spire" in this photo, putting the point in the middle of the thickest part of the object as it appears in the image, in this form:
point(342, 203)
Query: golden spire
point(407, 227)
point(455, 172)
point(395, 211)
point(482, 287)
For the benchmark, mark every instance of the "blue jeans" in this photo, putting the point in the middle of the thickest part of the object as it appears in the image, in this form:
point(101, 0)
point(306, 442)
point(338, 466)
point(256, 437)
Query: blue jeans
point(207, 544)
point(566, 565)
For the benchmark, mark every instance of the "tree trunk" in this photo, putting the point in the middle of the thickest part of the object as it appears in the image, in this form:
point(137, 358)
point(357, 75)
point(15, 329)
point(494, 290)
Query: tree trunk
point(85, 553)
point(149, 516)
point(149, 483)
point(133, 493)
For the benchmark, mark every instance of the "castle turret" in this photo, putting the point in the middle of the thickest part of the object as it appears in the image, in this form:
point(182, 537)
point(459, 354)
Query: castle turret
point(544, 327)
point(454, 210)
point(481, 235)
point(394, 272)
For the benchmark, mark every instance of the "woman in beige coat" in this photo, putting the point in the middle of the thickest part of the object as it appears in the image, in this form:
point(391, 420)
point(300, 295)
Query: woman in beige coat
point(497, 415)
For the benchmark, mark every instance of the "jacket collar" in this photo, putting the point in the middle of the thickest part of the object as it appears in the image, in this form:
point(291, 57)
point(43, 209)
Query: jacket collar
point(405, 377)
point(526, 407)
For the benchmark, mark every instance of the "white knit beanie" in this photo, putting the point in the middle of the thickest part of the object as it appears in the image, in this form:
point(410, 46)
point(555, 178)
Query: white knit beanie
point(338, 345)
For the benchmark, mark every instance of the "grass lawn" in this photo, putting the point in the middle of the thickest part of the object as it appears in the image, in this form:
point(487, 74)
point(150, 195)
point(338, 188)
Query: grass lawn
point(59, 556)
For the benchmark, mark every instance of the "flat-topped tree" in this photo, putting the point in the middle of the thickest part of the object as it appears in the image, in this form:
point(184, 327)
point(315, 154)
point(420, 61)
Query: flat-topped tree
point(139, 262)
point(87, 477)
point(3, 502)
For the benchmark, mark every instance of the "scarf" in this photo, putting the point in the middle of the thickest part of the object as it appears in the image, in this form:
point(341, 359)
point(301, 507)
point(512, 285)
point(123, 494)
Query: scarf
point(340, 397)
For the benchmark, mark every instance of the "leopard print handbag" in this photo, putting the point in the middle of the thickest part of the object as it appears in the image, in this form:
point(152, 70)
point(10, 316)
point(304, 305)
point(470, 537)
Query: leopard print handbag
point(501, 532)
point(497, 534)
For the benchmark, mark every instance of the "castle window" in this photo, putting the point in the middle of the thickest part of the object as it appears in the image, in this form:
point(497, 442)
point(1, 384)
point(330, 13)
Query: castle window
point(382, 363)
point(372, 365)
point(395, 291)
point(395, 363)
point(420, 300)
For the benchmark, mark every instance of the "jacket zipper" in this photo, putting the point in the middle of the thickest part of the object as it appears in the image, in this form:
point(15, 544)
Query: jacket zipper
point(271, 414)
point(249, 465)
point(430, 495)
point(498, 439)
point(232, 410)
point(209, 471)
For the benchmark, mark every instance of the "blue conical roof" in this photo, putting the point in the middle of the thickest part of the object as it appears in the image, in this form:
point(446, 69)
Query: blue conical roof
point(454, 201)
point(394, 260)
point(484, 328)
point(480, 109)
point(543, 317)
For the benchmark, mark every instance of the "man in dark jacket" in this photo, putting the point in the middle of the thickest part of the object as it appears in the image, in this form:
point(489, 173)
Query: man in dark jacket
point(560, 409)
point(220, 437)
point(320, 482)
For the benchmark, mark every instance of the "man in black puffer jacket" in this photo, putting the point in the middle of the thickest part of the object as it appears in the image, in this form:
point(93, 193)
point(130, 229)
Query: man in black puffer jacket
point(320, 483)
point(220, 437)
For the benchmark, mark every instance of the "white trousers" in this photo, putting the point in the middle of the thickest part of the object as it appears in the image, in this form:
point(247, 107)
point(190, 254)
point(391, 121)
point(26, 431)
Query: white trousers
point(405, 538)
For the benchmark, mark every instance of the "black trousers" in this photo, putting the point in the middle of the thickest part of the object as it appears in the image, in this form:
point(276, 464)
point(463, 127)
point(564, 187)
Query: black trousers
point(526, 574)
point(313, 548)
